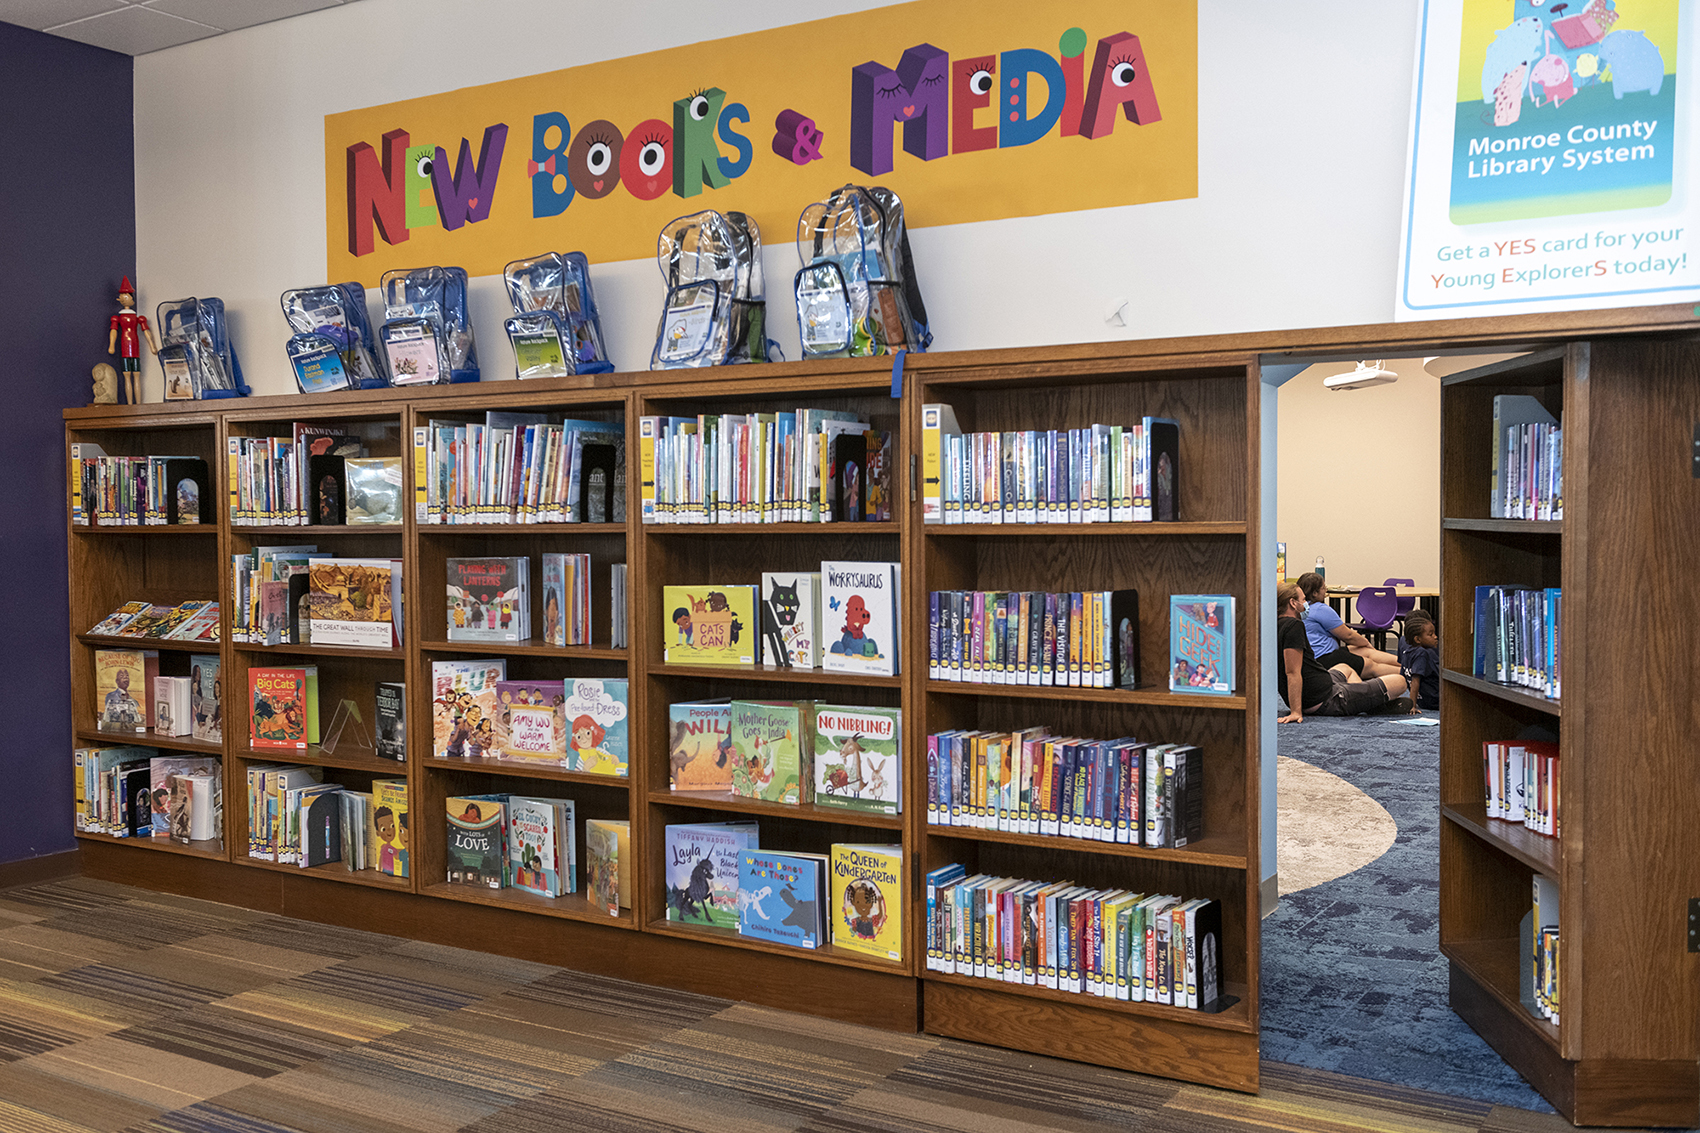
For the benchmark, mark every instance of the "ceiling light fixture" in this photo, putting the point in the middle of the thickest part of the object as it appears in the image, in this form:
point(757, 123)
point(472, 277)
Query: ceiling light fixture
point(1363, 377)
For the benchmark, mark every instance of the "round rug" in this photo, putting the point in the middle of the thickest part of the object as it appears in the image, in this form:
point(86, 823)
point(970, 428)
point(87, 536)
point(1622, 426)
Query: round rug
point(1324, 827)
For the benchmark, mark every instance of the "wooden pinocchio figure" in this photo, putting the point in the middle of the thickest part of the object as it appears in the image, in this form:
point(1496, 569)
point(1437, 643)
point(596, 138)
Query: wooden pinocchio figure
point(125, 339)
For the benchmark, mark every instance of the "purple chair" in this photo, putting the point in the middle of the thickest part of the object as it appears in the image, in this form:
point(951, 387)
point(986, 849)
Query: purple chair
point(1407, 602)
point(1377, 607)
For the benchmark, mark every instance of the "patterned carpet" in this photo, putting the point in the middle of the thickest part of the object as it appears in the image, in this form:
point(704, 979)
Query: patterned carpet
point(124, 1010)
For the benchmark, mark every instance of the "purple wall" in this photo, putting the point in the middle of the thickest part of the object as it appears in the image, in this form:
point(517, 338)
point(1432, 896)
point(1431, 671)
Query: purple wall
point(67, 235)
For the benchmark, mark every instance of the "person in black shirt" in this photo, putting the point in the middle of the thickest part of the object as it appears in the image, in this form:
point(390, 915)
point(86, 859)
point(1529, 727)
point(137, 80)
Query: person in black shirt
point(1308, 687)
point(1422, 659)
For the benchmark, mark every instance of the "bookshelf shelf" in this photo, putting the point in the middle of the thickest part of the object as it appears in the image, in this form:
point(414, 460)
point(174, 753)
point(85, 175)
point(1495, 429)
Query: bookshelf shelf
point(212, 848)
point(334, 872)
point(1157, 697)
point(1047, 530)
point(1495, 966)
point(526, 769)
point(1219, 850)
point(1550, 528)
point(307, 530)
point(426, 530)
point(1234, 1017)
point(1538, 852)
point(1515, 694)
point(867, 529)
point(771, 673)
point(725, 801)
point(828, 954)
point(144, 528)
point(164, 645)
point(568, 906)
point(356, 759)
point(321, 651)
point(94, 737)
point(528, 648)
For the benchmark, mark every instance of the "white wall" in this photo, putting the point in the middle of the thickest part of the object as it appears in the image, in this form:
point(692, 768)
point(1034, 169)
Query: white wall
point(1303, 114)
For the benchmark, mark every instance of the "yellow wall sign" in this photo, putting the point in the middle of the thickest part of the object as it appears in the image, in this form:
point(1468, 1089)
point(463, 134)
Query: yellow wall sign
point(968, 111)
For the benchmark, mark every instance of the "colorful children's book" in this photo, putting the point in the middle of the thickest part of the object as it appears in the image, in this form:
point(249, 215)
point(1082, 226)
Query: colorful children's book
point(699, 746)
point(790, 619)
point(701, 862)
point(530, 723)
point(859, 617)
point(597, 727)
point(390, 703)
point(389, 797)
point(206, 699)
point(779, 897)
point(488, 599)
point(772, 748)
point(277, 708)
point(1201, 644)
point(463, 696)
point(110, 625)
point(710, 625)
point(858, 760)
point(867, 899)
point(353, 602)
point(540, 845)
point(608, 864)
point(161, 771)
point(123, 687)
point(475, 851)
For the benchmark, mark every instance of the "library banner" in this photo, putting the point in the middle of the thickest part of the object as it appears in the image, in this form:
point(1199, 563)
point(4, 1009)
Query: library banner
point(1552, 161)
point(969, 112)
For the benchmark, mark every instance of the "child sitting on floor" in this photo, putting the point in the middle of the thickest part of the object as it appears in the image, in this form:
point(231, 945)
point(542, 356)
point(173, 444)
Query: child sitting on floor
point(1421, 660)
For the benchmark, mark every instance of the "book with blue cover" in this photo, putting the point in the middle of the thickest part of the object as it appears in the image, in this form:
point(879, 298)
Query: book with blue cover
point(1201, 644)
point(779, 897)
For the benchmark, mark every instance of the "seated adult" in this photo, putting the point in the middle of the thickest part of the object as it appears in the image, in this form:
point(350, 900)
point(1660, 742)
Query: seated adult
point(1336, 643)
point(1308, 687)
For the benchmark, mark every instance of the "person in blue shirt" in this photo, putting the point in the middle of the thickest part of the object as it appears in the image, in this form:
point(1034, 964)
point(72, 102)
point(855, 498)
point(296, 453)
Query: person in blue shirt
point(1422, 659)
point(1336, 643)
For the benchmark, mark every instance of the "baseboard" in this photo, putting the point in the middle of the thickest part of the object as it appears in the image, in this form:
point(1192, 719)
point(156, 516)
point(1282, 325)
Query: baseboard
point(45, 868)
point(1269, 895)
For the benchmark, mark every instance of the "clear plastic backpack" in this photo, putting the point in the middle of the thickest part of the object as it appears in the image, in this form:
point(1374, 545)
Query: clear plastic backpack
point(556, 329)
point(332, 344)
point(856, 292)
point(715, 312)
point(427, 334)
point(195, 350)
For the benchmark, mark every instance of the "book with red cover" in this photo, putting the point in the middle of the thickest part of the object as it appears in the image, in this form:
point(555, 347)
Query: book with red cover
point(277, 707)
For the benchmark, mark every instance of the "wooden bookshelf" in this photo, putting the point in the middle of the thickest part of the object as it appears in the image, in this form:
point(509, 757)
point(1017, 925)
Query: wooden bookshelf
point(1624, 1050)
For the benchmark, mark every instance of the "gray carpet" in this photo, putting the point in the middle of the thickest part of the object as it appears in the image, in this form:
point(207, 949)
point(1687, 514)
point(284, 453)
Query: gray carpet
point(1353, 979)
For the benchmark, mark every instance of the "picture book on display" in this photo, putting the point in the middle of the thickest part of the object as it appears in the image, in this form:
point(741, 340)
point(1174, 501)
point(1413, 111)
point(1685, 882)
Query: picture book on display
point(566, 599)
point(779, 897)
point(390, 702)
point(701, 862)
point(772, 743)
point(489, 599)
point(710, 625)
point(123, 686)
point(463, 696)
point(172, 713)
point(475, 851)
point(283, 707)
point(860, 612)
point(857, 758)
point(206, 699)
point(790, 619)
point(389, 797)
point(355, 602)
point(867, 899)
point(540, 845)
point(168, 791)
point(1201, 644)
point(530, 723)
point(596, 724)
point(699, 746)
point(608, 864)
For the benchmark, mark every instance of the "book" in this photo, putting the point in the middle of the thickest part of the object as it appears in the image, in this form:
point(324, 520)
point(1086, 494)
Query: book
point(700, 862)
point(541, 855)
point(476, 852)
point(1201, 644)
point(277, 708)
point(772, 748)
point(867, 899)
point(938, 422)
point(354, 602)
point(1510, 411)
point(566, 599)
point(172, 711)
point(597, 728)
point(113, 623)
point(710, 625)
point(389, 816)
point(779, 897)
point(529, 723)
point(790, 619)
point(607, 861)
point(858, 761)
point(123, 679)
point(463, 696)
point(860, 612)
point(699, 746)
point(162, 771)
point(488, 599)
point(390, 713)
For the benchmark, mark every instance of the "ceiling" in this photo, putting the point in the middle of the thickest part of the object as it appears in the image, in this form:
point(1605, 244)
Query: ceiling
point(136, 27)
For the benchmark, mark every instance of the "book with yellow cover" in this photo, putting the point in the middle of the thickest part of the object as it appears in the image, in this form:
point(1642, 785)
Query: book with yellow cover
point(867, 899)
point(710, 625)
